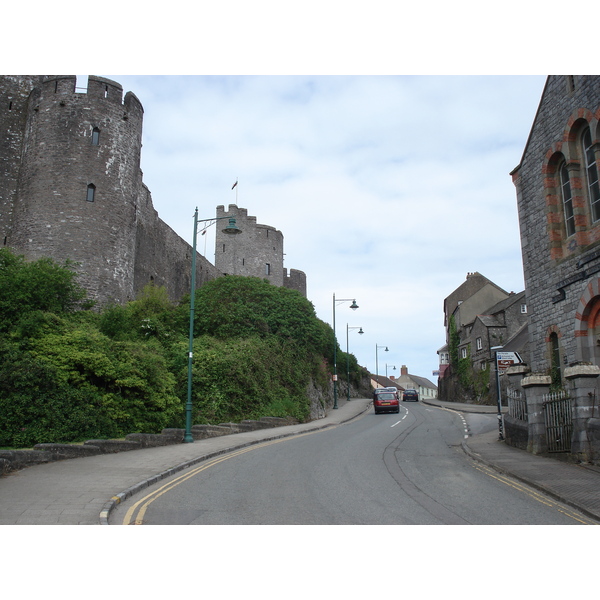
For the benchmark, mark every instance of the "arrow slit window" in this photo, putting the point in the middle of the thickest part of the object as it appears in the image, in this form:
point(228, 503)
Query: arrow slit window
point(91, 192)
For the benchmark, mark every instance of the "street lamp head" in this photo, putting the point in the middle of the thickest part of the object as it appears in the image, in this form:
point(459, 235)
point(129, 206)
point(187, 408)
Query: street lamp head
point(232, 228)
point(361, 331)
point(354, 306)
point(386, 349)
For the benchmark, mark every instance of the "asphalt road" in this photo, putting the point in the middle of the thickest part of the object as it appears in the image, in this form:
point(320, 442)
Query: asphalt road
point(406, 469)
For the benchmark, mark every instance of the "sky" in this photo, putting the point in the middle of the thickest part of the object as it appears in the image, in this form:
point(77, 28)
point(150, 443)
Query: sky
point(387, 189)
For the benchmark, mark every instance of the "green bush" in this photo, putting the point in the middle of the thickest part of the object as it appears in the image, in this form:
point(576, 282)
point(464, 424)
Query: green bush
point(138, 391)
point(248, 378)
point(40, 285)
point(36, 405)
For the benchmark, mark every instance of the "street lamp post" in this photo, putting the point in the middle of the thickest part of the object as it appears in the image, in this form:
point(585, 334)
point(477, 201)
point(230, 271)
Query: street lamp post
point(386, 368)
point(353, 306)
point(377, 358)
point(232, 230)
point(348, 356)
point(498, 396)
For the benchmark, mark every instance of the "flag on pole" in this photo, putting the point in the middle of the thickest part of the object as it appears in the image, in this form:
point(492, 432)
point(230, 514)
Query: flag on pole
point(234, 184)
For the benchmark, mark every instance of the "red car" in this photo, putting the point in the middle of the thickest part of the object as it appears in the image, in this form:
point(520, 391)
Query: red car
point(386, 402)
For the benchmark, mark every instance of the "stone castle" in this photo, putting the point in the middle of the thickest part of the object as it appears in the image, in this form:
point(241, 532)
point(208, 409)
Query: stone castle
point(71, 187)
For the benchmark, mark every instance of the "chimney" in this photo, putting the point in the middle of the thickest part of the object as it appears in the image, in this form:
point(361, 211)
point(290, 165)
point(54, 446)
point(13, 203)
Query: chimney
point(404, 370)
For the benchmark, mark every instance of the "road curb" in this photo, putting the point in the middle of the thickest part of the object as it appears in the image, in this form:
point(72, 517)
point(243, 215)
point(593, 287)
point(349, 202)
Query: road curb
point(534, 484)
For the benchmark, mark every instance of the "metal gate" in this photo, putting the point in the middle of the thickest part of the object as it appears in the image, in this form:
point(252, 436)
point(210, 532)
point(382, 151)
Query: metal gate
point(517, 406)
point(559, 421)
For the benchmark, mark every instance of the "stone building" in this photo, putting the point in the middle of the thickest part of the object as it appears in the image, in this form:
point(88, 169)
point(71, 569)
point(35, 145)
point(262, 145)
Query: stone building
point(485, 317)
point(71, 187)
point(558, 197)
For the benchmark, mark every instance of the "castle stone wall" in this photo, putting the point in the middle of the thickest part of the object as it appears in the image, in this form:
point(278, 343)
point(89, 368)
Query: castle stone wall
point(164, 258)
point(14, 98)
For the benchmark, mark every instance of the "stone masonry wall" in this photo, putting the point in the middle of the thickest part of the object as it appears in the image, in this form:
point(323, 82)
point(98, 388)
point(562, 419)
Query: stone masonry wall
point(14, 95)
point(546, 275)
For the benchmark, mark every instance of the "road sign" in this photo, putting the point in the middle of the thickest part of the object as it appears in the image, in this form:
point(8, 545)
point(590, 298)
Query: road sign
point(504, 360)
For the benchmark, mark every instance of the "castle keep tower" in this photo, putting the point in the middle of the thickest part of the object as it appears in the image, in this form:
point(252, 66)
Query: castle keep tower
point(78, 181)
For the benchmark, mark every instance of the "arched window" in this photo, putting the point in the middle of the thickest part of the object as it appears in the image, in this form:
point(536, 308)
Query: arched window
point(567, 199)
point(591, 171)
point(95, 137)
point(91, 192)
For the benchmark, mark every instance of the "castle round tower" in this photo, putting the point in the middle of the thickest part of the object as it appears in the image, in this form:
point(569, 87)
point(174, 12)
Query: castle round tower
point(79, 180)
point(256, 252)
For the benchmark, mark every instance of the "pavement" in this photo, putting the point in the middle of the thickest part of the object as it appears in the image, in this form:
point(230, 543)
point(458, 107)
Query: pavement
point(84, 491)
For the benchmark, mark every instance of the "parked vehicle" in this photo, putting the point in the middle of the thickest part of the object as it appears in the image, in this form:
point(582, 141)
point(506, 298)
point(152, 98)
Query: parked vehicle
point(411, 395)
point(386, 401)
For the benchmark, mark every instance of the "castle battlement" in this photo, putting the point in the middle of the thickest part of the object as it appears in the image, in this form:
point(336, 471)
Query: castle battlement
point(60, 88)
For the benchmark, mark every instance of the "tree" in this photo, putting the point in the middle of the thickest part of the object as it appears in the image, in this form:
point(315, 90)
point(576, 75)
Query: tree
point(41, 285)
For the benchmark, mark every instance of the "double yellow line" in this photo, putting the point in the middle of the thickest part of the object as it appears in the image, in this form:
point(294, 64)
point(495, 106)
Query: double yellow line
point(540, 497)
point(141, 506)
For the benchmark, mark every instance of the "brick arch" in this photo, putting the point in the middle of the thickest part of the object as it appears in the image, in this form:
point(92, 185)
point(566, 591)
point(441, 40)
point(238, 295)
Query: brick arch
point(579, 119)
point(587, 324)
point(553, 329)
point(567, 149)
point(554, 208)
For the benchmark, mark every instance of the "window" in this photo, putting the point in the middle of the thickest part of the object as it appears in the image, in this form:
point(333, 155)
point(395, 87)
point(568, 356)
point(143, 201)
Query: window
point(463, 353)
point(91, 192)
point(479, 343)
point(565, 186)
point(95, 137)
point(267, 269)
point(523, 309)
point(591, 171)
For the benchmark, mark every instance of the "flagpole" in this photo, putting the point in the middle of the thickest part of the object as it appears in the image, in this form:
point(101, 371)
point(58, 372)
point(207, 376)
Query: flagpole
point(236, 192)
